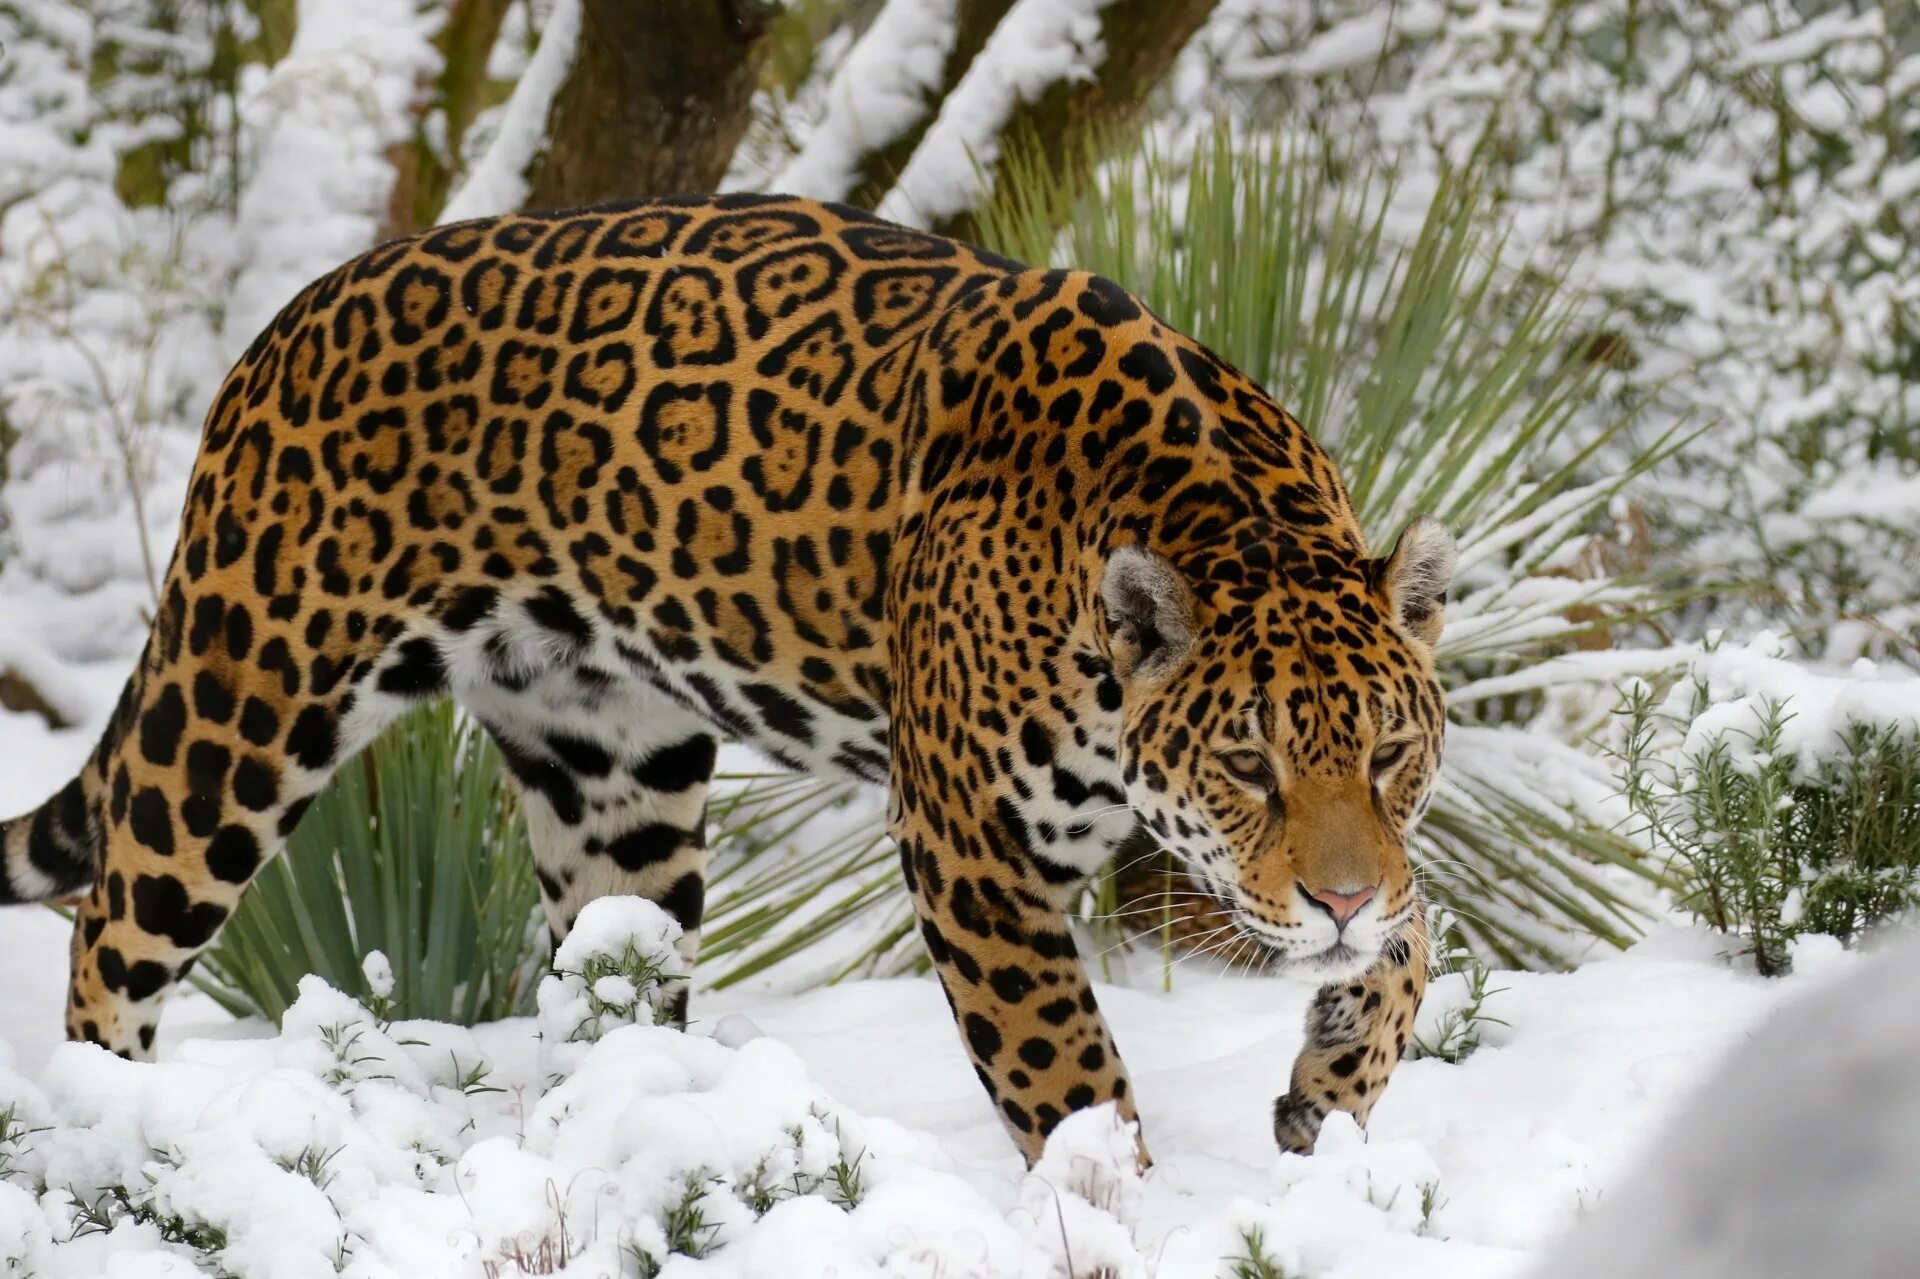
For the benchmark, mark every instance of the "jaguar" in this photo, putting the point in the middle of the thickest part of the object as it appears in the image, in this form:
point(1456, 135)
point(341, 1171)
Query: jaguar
point(629, 480)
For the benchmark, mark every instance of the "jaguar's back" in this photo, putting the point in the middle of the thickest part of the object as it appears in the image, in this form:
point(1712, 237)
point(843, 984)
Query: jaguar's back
point(637, 405)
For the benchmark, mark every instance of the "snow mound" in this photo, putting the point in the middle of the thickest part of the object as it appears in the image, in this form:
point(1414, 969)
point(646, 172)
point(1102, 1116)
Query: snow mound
point(348, 1146)
point(617, 967)
point(1795, 1158)
point(589, 1141)
point(1083, 1197)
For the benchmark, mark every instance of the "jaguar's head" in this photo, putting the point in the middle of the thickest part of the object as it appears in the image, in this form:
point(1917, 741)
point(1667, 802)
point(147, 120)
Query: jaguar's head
point(1282, 725)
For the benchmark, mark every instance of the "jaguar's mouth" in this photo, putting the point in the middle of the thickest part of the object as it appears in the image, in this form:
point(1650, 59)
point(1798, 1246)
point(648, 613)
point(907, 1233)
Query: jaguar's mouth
point(1336, 961)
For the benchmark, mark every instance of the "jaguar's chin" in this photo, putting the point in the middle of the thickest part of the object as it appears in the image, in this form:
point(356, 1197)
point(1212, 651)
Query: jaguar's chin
point(1338, 962)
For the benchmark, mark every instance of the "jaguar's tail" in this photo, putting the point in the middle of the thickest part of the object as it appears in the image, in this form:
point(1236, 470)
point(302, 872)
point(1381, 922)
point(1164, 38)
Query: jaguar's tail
point(56, 850)
point(52, 851)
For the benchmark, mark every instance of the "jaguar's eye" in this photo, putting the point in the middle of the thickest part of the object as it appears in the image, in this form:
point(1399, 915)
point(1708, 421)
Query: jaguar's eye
point(1387, 756)
point(1250, 767)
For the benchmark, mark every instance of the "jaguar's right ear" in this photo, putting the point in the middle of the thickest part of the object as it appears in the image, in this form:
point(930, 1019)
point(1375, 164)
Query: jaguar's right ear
point(1149, 613)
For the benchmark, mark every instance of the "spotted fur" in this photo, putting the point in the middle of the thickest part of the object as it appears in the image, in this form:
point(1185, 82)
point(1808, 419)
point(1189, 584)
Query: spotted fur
point(628, 480)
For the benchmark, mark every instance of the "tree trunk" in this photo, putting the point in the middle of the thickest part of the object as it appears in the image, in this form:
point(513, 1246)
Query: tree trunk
point(1142, 39)
point(657, 98)
point(424, 171)
point(974, 21)
point(277, 20)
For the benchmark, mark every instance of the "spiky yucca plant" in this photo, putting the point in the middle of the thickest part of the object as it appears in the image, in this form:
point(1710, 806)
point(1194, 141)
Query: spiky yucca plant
point(416, 850)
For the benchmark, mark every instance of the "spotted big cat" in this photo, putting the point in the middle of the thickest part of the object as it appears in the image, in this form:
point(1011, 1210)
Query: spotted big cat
point(627, 481)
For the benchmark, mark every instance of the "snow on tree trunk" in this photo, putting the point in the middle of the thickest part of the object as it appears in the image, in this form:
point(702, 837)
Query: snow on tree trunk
point(424, 169)
point(883, 97)
point(1056, 72)
point(498, 181)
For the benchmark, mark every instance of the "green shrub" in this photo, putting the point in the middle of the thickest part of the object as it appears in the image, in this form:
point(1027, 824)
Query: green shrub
point(1764, 844)
point(416, 850)
point(1455, 1033)
point(1254, 1261)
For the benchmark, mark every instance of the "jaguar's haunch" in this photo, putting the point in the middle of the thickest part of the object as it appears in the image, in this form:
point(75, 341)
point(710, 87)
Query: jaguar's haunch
point(626, 480)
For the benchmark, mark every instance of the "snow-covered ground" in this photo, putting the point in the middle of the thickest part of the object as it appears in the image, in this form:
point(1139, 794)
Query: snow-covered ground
point(339, 1143)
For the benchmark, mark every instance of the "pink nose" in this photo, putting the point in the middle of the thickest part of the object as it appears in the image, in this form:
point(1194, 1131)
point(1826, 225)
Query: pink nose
point(1342, 906)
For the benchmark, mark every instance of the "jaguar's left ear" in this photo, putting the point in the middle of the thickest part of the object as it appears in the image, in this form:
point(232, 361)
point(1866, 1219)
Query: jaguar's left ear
point(1416, 576)
point(1149, 613)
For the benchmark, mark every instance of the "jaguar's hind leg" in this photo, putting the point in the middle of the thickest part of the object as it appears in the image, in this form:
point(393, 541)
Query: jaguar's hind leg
point(222, 741)
point(614, 782)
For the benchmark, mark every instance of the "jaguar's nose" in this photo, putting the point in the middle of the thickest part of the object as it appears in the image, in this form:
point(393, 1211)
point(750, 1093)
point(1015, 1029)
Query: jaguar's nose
point(1342, 904)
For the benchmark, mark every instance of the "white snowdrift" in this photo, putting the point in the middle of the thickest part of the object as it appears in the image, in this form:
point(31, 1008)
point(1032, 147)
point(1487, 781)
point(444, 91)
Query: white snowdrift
point(838, 1132)
point(1796, 1158)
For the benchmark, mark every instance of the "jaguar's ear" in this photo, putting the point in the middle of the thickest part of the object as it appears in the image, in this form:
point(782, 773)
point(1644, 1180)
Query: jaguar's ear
point(1416, 576)
point(1149, 613)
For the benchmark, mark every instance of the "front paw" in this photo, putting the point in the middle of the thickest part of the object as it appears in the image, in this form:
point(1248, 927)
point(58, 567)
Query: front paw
point(1296, 1124)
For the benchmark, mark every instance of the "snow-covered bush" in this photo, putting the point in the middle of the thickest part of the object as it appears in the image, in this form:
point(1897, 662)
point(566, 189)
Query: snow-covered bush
point(346, 1144)
point(617, 967)
point(1788, 801)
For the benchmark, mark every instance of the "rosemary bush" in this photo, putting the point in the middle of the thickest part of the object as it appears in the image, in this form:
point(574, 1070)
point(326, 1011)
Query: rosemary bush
point(1765, 844)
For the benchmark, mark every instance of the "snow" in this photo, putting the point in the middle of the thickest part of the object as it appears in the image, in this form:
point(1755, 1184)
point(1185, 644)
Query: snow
point(120, 322)
point(1811, 40)
point(1038, 44)
point(1883, 497)
point(607, 974)
point(881, 89)
point(343, 1138)
point(1354, 42)
point(1081, 1200)
point(498, 181)
point(326, 116)
point(1733, 691)
point(379, 974)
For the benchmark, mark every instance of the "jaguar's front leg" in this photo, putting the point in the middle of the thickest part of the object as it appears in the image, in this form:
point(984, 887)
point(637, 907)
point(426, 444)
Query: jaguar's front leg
point(997, 934)
point(1356, 1032)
